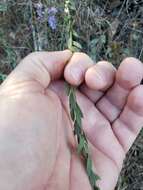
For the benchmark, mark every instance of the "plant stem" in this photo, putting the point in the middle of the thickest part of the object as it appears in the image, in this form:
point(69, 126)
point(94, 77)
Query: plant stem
point(33, 27)
point(35, 30)
point(75, 111)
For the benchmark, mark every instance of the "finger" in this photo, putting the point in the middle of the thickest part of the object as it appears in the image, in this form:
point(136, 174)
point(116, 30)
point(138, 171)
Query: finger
point(99, 131)
point(41, 67)
point(129, 75)
point(130, 122)
point(100, 76)
point(78, 175)
point(103, 165)
point(76, 68)
point(93, 95)
point(98, 79)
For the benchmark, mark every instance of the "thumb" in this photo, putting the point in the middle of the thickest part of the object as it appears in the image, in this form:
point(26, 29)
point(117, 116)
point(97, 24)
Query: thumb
point(41, 67)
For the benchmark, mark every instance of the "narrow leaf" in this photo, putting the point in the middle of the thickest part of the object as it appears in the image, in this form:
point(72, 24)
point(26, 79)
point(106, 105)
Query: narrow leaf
point(70, 43)
point(67, 88)
point(77, 130)
point(93, 178)
point(72, 6)
point(75, 34)
point(77, 44)
point(80, 145)
point(78, 110)
point(2, 77)
point(72, 113)
point(3, 7)
point(75, 49)
point(72, 101)
point(89, 166)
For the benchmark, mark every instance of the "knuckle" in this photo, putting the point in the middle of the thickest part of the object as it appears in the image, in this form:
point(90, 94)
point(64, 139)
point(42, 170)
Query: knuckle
point(31, 58)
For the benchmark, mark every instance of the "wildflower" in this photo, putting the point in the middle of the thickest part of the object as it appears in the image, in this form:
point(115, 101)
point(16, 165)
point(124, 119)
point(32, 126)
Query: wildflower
point(40, 11)
point(52, 21)
point(52, 10)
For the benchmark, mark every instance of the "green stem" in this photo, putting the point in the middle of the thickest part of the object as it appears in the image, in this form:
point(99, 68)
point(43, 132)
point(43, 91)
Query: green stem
point(75, 111)
point(82, 142)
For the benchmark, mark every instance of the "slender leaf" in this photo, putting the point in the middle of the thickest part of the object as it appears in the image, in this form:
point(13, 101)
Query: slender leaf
point(77, 45)
point(3, 7)
point(80, 145)
point(75, 34)
point(89, 166)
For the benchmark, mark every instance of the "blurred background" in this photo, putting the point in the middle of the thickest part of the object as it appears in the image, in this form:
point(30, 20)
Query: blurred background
point(106, 29)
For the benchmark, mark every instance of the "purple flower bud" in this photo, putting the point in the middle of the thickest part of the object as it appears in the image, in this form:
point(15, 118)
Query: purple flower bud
point(52, 10)
point(52, 22)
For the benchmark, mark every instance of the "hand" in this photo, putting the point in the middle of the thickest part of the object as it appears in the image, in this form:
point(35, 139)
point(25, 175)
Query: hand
point(37, 147)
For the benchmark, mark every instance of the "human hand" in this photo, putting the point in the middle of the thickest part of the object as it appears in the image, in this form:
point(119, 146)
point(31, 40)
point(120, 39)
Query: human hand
point(36, 140)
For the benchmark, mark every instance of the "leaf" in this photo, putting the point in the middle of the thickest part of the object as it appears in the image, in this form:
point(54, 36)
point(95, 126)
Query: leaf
point(67, 88)
point(79, 115)
point(86, 149)
point(75, 34)
point(89, 166)
point(103, 39)
point(78, 120)
point(70, 43)
point(2, 77)
point(77, 130)
point(72, 5)
point(78, 110)
point(72, 101)
point(80, 145)
point(77, 44)
point(96, 177)
point(93, 42)
point(75, 49)
point(93, 178)
point(3, 7)
point(72, 113)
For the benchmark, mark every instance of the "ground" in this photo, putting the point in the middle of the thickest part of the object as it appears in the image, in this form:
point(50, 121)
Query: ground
point(107, 29)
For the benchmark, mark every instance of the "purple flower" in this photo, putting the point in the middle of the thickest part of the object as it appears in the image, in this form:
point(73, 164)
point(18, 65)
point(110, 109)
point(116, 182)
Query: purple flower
point(40, 11)
point(52, 22)
point(52, 10)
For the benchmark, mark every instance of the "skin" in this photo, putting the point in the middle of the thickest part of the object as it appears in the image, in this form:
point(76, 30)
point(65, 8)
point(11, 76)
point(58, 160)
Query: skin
point(37, 146)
